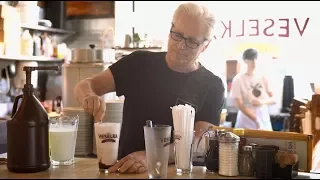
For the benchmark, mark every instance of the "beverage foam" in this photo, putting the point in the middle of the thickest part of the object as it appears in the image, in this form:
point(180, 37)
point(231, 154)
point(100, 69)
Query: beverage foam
point(62, 129)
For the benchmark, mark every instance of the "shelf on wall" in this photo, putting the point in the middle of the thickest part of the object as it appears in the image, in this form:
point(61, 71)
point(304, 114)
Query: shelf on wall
point(149, 48)
point(29, 58)
point(46, 29)
point(5, 60)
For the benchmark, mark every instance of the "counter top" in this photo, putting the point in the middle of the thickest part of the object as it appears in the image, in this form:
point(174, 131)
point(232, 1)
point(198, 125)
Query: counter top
point(88, 168)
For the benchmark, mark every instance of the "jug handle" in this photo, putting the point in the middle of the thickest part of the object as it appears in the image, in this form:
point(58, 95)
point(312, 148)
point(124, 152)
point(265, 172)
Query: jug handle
point(15, 104)
point(201, 139)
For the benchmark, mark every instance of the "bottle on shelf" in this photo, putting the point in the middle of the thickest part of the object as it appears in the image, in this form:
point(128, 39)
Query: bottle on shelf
point(54, 47)
point(36, 45)
point(26, 44)
point(47, 47)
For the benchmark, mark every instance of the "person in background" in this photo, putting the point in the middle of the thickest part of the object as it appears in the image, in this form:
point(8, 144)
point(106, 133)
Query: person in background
point(252, 95)
point(152, 82)
point(316, 158)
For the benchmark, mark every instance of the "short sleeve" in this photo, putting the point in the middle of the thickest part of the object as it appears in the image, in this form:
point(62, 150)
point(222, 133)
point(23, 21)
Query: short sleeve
point(212, 107)
point(125, 70)
point(236, 88)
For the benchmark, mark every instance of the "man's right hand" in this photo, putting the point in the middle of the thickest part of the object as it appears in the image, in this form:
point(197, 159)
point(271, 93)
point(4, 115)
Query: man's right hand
point(94, 105)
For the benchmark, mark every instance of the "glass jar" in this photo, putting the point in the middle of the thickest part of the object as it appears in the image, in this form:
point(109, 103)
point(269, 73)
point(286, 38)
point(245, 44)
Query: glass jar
point(242, 143)
point(246, 166)
point(212, 155)
point(254, 148)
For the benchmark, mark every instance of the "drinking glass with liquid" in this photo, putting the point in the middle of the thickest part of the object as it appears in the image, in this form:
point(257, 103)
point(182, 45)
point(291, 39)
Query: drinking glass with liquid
point(107, 136)
point(62, 139)
point(157, 141)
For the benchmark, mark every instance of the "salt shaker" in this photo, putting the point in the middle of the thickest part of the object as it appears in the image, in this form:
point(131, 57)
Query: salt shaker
point(228, 154)
point(246, 166)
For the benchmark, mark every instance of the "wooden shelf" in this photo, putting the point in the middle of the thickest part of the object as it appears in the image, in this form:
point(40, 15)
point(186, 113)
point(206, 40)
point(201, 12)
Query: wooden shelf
point(6, 60)
point(46, 29)
point(132, 49)
point(30, 58)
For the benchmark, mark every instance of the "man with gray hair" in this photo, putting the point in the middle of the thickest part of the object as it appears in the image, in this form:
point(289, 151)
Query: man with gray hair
point(152, 82)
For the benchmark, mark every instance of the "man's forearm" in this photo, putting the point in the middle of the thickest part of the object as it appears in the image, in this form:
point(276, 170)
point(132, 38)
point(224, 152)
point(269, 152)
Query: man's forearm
point(81, 89)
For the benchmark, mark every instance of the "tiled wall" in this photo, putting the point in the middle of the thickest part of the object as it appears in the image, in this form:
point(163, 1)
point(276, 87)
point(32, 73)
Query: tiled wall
point(89, 31)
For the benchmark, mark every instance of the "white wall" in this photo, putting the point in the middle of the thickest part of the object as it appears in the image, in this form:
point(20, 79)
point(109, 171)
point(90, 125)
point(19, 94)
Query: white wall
point(297, 55)
point(154, 17)
point(123, 25)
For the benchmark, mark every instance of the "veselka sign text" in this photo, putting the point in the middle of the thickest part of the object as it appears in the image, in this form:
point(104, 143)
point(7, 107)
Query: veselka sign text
point(281, 27)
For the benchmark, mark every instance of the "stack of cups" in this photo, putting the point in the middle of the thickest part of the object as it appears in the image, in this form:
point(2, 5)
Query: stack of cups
point(114, 109)
point(84, 141)
point(183, 121)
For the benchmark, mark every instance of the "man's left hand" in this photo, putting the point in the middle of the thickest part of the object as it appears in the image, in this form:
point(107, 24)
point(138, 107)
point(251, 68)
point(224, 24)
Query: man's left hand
point(135, 162)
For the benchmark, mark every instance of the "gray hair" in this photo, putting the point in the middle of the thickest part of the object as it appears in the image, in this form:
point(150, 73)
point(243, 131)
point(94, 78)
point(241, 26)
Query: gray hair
point(197, 10)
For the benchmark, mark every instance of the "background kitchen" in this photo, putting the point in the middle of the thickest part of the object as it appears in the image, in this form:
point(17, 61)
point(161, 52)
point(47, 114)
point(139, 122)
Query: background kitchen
point(43, 33)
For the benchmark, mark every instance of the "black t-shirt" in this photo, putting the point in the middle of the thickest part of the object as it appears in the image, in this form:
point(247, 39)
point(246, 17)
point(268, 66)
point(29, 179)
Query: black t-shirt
point(150, 88)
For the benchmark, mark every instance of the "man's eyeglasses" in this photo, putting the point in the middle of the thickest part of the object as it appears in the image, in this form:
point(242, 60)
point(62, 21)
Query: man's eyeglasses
point(189, 42)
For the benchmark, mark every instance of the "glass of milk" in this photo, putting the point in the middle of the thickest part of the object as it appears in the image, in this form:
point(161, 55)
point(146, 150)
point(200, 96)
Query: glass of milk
point(62, 139)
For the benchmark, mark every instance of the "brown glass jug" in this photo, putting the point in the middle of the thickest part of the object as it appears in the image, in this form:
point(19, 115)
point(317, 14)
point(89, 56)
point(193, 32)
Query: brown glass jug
point(28, 131)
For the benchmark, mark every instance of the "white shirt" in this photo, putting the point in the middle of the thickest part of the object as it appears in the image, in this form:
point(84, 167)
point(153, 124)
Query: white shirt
point(249, 88)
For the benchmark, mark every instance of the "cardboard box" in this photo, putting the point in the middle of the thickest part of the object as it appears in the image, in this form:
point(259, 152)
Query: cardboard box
point(1, 24)
point(2, 36)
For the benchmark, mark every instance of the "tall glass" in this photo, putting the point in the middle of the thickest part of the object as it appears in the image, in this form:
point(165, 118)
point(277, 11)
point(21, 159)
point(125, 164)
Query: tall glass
point(157, 142)
point(107, 136)
point(62, 139)
point(183, 151)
